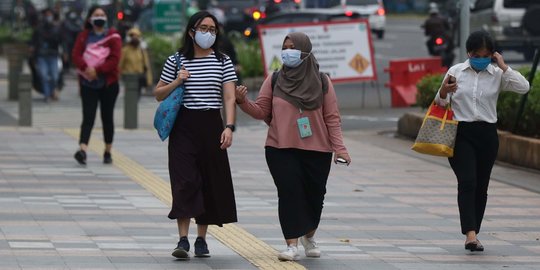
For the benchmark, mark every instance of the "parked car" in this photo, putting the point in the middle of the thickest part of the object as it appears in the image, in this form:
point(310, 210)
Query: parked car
point(373, 10)
point(503, 20)
point(240, 13)
point(274, 6)
point(302, 16)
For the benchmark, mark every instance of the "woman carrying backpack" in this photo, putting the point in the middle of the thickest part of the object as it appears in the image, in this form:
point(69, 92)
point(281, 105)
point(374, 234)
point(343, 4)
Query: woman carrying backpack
point(98, 84)
point(304, 130)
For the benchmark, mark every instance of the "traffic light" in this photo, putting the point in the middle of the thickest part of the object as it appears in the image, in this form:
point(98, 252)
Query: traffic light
point(257, 15)
point(120, 15)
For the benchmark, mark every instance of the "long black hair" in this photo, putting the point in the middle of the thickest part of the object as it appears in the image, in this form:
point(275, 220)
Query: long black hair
point(187, 48)
point(87, 24)
point(478, 40)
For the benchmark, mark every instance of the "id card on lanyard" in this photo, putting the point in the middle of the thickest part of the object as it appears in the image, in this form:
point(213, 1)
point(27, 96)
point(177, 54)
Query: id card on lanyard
point(304, 127)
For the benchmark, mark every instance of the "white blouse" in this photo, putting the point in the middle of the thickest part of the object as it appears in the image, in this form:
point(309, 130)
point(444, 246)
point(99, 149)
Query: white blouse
point(476, 96)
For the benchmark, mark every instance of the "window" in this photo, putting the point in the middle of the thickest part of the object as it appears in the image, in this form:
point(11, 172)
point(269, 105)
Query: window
point(361, 2)
point(483, 4)
point(517, 3)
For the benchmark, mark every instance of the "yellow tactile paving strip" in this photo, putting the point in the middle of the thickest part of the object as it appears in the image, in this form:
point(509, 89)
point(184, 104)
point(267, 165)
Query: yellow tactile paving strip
point(242, 242)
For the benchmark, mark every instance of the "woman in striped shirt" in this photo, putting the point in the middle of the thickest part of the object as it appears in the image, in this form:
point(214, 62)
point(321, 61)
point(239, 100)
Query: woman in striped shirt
point(200, 175)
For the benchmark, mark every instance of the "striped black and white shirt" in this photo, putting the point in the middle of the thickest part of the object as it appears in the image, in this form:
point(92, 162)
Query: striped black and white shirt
point(203, 89)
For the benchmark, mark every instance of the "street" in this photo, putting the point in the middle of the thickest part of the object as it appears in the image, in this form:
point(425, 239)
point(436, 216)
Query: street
point(404, 38)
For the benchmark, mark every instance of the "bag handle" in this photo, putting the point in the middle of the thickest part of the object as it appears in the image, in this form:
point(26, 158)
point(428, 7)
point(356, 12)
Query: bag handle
point(428, 112)
point(445, 117)
point(448, 108)
point(177, 59)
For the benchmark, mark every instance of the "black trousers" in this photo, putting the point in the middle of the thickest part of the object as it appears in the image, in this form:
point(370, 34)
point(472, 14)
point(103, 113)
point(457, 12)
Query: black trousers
point(300, 177)
point(475, 152)
point(106, 97)
point(201, 181)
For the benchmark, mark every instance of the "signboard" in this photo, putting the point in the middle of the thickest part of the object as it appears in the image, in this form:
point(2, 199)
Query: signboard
point(168, 16)
point(343, 49)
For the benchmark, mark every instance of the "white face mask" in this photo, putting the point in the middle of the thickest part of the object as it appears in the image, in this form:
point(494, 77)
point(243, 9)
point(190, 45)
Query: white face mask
point(291, 57)
point(204, 40)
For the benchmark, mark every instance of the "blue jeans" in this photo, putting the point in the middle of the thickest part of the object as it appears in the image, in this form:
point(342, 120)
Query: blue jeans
point(47, 68)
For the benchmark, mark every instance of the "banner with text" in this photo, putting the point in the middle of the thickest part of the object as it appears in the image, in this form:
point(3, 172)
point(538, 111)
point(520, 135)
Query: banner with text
point(344, 50)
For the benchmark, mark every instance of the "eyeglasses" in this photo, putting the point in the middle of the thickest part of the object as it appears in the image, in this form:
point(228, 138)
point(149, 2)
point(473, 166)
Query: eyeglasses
point(206, 28)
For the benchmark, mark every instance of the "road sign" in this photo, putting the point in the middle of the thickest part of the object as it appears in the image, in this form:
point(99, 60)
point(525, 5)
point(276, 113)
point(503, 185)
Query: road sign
point(343, 49)
point(168, 16)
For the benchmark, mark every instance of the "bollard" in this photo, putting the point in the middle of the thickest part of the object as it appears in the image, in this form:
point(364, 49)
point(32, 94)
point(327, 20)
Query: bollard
point(131, 100)
point(15, 64)
point(25, 99)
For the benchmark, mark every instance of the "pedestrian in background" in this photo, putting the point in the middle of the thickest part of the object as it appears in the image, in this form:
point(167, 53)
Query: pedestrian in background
point(227, 46)
point(45, 49)
point(98, 84)
point(225, 43)
point(472, 88)
point(135, 59)
point(200, 175)
point(71, 27)
point(301, 110)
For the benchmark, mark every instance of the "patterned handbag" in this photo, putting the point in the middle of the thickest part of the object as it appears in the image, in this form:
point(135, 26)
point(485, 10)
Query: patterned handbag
point(437, 135)
point(168, 110)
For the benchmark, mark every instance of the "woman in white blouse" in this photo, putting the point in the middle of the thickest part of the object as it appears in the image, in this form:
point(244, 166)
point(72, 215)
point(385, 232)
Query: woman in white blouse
point(473, 87)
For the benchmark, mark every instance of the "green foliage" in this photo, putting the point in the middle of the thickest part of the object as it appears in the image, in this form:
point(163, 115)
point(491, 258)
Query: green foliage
point(249, 57)
point(509, 103)
point(159, 48)
point(7, 35)
point(427, 89)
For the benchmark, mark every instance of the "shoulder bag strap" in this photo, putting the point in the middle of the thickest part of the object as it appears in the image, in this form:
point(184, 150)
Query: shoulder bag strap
point(177, 59)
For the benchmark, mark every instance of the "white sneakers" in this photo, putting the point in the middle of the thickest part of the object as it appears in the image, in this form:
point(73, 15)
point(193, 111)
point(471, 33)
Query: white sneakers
point(291, 254)
point(310, 247)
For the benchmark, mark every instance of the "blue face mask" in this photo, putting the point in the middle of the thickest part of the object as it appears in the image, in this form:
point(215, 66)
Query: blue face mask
point(291, 57)
point(479, 63)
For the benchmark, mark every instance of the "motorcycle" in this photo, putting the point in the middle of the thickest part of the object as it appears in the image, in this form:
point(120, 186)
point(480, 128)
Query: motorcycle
point(441, 46)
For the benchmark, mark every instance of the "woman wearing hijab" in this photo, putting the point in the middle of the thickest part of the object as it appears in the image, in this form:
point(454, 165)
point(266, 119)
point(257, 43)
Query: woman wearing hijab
point(304, 131)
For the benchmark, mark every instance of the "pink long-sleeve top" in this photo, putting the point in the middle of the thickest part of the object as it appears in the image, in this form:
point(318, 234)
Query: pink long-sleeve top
point(283, 130)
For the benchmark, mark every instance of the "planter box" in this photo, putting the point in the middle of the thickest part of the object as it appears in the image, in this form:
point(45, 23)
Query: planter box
point(514, 149)
point(409, 124)
point(519, 150)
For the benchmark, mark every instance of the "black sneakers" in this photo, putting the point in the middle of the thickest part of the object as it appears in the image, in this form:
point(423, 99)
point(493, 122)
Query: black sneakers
point(182, 249)
point(80, 156)
point(107, 159)
point(201, 248)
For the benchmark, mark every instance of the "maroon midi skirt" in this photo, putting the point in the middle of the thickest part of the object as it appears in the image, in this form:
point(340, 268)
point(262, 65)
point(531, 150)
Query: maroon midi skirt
point(201, 182)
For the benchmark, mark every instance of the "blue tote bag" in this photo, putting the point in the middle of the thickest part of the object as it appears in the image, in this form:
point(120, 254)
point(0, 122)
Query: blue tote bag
point(168, 109)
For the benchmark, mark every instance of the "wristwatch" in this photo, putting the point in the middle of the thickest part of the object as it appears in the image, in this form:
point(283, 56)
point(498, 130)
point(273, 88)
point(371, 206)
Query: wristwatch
point(232, 127)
